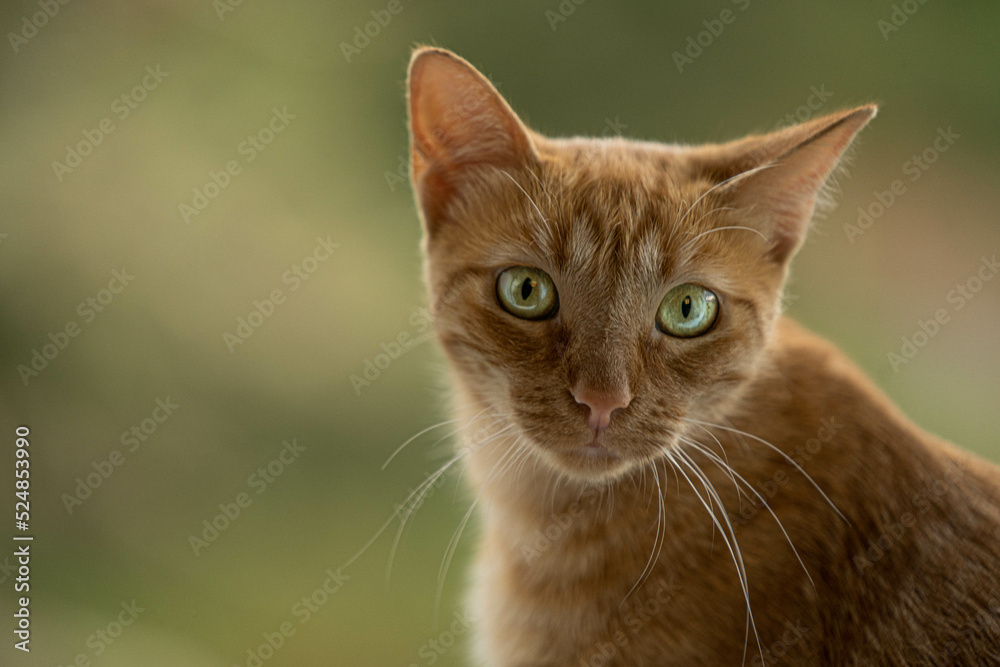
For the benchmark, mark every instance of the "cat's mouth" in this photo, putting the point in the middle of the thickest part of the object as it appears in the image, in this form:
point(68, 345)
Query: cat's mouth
point(605, 455)
point(591, 460)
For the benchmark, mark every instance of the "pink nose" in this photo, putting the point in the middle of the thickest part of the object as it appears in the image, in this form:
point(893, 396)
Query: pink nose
point(602, 405)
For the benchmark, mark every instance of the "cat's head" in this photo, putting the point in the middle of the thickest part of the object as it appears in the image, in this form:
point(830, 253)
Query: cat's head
point(601, 292)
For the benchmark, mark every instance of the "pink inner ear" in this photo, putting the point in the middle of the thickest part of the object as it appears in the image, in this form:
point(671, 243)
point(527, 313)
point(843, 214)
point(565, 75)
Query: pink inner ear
point(458, 117)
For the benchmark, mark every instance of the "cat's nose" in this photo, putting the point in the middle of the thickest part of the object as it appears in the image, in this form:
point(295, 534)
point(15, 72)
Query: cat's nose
point(602, 404)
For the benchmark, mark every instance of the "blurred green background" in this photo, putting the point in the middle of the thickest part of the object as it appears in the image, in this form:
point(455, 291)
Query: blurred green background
point(331, 173)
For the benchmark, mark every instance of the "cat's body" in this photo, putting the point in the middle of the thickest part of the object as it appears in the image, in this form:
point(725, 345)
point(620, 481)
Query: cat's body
point(910, 578)
point(649, 472)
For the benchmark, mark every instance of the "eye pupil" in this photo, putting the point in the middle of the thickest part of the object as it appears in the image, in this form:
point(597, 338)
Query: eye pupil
point(687, 311)
point(527, 293)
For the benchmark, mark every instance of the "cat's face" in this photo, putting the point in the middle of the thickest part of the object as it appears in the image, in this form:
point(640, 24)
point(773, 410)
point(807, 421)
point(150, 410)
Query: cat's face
point(603, 294)
point(613, 240)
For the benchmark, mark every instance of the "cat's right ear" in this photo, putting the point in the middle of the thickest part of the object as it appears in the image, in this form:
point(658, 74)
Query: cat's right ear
point(457, 120)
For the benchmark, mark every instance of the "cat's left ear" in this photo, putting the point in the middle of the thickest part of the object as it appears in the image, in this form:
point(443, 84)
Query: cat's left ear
point(777, 178)
point(458, 120)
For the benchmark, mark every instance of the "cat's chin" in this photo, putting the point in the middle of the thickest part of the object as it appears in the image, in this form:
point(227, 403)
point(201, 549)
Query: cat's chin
point(589, 463)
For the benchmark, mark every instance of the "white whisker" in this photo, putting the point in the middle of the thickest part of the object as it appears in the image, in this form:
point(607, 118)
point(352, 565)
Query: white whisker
point(732, 546)
point(532, 201)
point(781, 453)
point(424, 489)
point(511, 455)
point(715, 459)
point(657, 539)
point(719, 229)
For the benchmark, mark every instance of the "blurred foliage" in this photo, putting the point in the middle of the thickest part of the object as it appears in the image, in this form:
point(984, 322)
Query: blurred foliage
point(608, 67)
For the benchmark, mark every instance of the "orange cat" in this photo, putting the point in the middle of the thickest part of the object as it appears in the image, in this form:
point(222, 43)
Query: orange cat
point(675, 474)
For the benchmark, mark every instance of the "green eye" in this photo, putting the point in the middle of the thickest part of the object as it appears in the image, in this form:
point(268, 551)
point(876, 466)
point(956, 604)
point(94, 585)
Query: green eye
point(527, 293)
point(687, 310)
